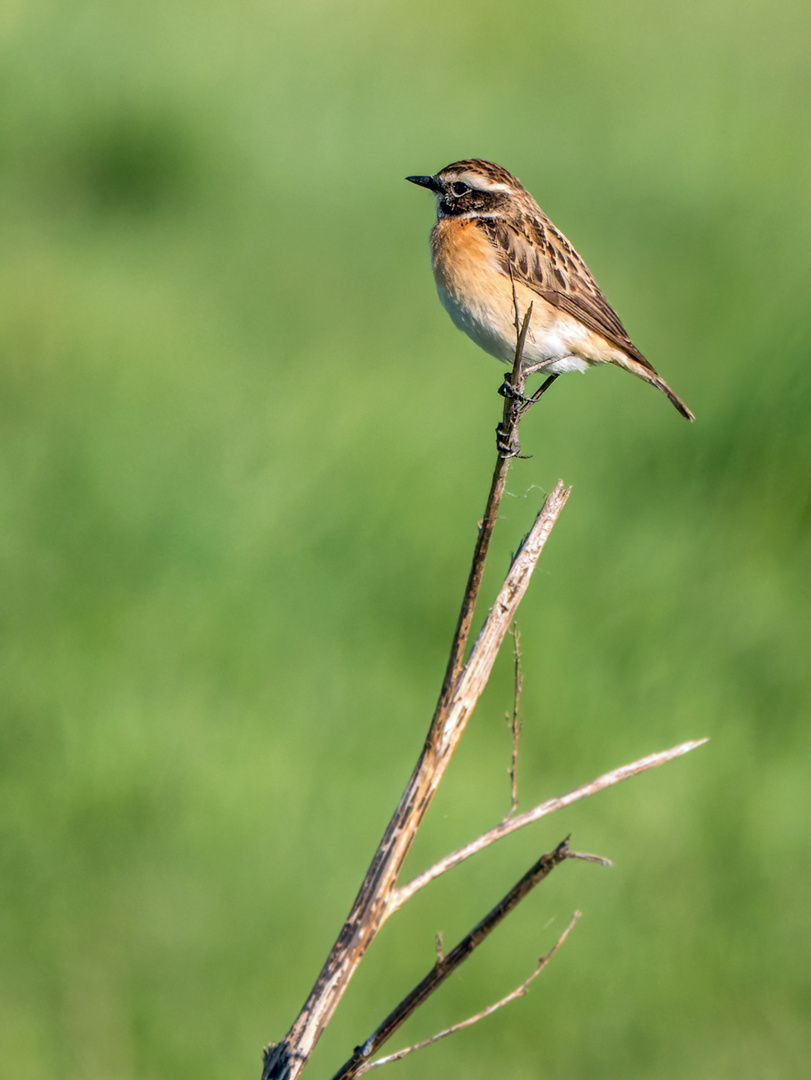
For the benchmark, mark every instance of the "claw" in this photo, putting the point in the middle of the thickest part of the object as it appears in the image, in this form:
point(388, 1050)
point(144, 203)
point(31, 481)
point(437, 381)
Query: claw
point(506, 447)
point(507, 390)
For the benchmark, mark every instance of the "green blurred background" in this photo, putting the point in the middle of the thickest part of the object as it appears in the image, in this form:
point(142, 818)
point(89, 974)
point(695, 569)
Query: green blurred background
point(243, 455)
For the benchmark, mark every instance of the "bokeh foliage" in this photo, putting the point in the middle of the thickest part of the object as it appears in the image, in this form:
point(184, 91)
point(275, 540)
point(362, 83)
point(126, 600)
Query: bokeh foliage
point(243, 454)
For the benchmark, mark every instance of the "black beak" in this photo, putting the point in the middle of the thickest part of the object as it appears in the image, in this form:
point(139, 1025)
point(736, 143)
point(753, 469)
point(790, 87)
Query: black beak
point(430, 182)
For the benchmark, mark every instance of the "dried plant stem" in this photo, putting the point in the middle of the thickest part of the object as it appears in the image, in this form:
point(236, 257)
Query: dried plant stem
point(448, 964)
point(519, 991)
point(511, 824)
point(515, 720)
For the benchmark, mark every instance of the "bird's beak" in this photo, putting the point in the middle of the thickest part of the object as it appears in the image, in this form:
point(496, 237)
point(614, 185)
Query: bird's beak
point(431, 182)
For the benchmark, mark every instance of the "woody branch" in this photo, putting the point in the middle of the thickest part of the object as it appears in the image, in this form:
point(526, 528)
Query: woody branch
point(461, 688)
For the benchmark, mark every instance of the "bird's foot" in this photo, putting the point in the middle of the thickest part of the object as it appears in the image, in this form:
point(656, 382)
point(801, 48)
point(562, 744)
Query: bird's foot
point(507, 445)
point(507, 390)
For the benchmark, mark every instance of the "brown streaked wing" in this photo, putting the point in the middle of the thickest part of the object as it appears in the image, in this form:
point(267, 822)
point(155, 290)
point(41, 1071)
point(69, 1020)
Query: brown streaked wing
point(543, 259)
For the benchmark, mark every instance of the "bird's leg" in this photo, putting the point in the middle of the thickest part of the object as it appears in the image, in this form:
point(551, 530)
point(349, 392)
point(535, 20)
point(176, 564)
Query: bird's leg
point(526, 403)
point(542, 389)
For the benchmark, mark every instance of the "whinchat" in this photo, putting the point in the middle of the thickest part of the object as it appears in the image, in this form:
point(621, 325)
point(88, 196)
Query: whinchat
point(494, 251)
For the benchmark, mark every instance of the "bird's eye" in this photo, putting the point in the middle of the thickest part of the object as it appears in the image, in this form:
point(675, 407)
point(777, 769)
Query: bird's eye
point(459, 189)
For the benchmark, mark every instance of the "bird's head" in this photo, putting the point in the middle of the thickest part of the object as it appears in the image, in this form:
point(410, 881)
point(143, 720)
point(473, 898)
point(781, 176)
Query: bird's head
point(471, 188)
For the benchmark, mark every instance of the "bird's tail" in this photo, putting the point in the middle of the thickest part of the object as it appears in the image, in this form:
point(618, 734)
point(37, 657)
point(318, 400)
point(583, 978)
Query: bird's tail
point(644, 370)
point(660, 384)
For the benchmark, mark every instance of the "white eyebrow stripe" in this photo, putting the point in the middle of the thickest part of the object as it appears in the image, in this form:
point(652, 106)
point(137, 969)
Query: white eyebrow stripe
point(482, 184)
point(478, 182)
point(471, 214)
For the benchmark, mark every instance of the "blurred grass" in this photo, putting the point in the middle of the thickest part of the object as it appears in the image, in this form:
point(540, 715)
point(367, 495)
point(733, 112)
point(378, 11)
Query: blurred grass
point(243, 452)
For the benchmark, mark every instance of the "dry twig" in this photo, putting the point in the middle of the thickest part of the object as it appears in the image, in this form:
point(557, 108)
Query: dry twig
point(515, 720)
point(511, 824)
point(519, 991)
point(448, 964)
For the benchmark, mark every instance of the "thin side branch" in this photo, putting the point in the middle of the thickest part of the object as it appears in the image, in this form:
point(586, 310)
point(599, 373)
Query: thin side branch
point(446, 966)
point(474, 676)
point(519, 991)
point(510, 825)
point(515, 720)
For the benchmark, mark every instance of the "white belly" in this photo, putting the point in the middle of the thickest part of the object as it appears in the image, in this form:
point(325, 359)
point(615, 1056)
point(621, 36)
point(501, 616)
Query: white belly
point(551, 344)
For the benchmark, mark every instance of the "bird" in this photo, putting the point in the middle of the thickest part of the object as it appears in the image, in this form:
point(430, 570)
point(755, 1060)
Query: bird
point(495, 252)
